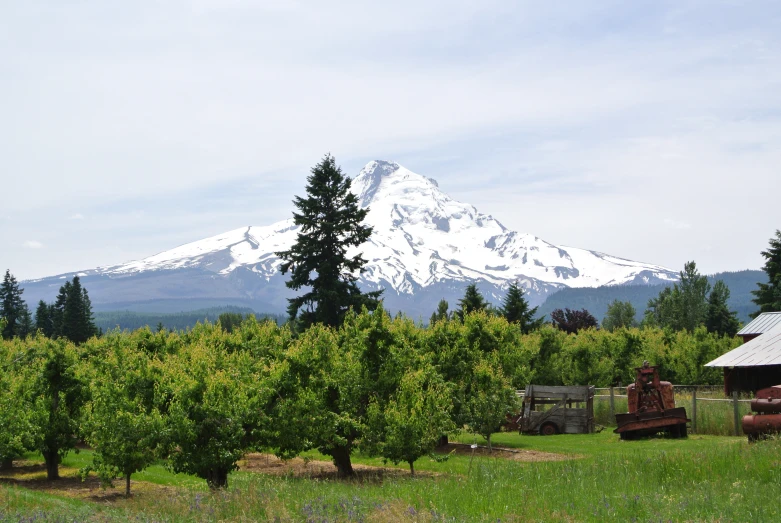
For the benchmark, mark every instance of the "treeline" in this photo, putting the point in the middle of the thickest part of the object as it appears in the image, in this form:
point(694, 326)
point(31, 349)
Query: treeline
point(70, 316)
point(108, 320)
point(200, 399)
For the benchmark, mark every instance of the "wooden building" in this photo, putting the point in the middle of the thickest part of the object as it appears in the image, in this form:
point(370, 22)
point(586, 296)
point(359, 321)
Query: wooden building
point(757, 363)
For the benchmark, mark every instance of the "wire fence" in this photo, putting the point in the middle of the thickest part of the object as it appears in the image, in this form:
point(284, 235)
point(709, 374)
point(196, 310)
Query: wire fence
point(710, 411)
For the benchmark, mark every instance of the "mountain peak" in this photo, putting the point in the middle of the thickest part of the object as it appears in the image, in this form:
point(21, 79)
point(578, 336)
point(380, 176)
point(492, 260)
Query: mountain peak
point(382, 173)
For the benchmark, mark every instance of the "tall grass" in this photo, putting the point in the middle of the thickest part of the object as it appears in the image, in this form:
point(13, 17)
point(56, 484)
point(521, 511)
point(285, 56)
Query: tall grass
point(713, 417)
point(706, 479)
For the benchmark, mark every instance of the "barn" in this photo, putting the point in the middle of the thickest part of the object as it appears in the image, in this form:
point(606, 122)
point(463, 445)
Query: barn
point(757, 363)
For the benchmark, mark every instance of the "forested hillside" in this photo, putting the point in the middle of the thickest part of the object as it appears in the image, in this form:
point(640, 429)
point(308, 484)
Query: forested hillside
point(172, 321)
point(596, 300)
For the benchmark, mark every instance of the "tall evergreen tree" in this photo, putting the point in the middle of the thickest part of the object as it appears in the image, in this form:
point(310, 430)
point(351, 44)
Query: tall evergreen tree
point(472, 301)
point(11, 305)
point(331, 222)
point(43, 319)
point(70, 316)
point(720, 319)
point(26, 325)
point(58, 310)
point(441, 313)
point(516, 309)
point(768, 295)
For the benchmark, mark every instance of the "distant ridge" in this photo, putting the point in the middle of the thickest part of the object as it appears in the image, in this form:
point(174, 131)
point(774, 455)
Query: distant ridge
point(425, 246)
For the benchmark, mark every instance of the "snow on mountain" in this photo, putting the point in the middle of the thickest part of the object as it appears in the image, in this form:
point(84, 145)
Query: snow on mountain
point(422, 239)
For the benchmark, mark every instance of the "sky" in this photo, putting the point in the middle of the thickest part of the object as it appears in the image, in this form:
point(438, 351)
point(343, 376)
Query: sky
point(649, 130)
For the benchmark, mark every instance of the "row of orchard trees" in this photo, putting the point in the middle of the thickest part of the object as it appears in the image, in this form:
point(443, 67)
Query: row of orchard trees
point(199, 400)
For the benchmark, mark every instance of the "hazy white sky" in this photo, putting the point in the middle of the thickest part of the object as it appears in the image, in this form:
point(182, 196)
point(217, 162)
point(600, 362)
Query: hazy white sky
point(649, 130)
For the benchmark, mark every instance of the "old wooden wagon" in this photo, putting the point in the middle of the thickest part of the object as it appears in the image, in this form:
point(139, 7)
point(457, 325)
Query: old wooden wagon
point(549, 410)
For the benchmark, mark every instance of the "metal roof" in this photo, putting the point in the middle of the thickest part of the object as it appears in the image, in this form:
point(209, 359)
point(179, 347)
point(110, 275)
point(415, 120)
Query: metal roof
point(762, 323)
point(762, 350)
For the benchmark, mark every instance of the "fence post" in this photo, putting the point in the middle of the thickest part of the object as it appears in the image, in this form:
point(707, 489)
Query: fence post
point(612, 404)
point(735, 411)
point(694, 410)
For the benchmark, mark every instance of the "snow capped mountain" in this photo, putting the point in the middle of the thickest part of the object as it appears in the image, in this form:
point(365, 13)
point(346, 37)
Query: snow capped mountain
point(422, 239)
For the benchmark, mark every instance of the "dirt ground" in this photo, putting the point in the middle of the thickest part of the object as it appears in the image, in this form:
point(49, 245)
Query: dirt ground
point(32, 475)
point(464, 449)
point(306, 468)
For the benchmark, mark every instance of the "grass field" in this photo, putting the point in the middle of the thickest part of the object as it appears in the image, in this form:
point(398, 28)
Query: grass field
point(597, 478)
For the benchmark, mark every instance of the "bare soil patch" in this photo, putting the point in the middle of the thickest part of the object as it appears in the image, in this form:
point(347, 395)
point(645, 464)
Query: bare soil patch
point(32, 475)
point(316, 469)
point(465, 449)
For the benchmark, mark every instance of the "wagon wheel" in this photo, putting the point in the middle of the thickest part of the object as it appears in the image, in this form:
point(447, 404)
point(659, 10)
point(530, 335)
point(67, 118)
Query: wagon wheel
point(549, 429)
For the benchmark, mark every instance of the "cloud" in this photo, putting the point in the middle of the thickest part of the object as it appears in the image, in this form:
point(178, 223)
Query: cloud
point(673, 224)
point(77, 216)
point(32, 244)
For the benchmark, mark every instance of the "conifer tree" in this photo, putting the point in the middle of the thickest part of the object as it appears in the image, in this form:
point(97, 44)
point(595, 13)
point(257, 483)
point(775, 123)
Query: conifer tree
point(720, 319)
point(43, 319)
point(11, 306)
point(472, 301)
point(330, 219)
point(441, 312)
point(71, 314)
point(516, 309)
point(768, 295)
point(682, 307)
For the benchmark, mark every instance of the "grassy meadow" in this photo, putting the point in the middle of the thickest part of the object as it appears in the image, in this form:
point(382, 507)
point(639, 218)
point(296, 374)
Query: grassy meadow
point(595, 477)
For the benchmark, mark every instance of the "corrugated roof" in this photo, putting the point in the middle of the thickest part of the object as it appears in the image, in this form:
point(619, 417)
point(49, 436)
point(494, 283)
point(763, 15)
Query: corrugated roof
point(762, 323)
point(762, 350)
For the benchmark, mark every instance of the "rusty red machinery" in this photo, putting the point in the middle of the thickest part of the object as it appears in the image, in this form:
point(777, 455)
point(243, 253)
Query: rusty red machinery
point(651, 407)
point(767, 405)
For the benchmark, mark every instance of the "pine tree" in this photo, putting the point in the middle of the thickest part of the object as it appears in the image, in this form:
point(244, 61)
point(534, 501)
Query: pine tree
point(26, 325)
point(472, 301)
point(58, 310)
point(43, 319)
point(516, 309)
point(71, 315)
point(441, 313)
point(331, 222)
point(720, 319)
point(11, 305)
point(768, 295)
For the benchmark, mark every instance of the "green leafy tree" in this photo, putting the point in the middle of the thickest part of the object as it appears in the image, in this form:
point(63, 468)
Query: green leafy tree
point(61, 397)
point(768, 295)
point(472, 301)
point(516, 309)
point(120, 421)
point(441, 313)
point(413, 421)
point(682, 307)
point(489, 398)
point(11, 306)
point(19, 416)
point(719, 318)
point(214, 404)
point(330, 219)
point(620, 314)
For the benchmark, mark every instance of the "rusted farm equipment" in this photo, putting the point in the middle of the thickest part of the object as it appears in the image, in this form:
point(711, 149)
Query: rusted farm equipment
point(767, 421)
point(562, 417)
point(651, 407)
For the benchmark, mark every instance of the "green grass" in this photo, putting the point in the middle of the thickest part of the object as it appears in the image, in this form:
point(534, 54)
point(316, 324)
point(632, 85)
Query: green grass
point(703, 478)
